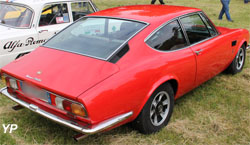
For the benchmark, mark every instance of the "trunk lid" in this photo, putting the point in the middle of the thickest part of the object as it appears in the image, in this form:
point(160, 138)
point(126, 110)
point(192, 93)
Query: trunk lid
point(60, 72)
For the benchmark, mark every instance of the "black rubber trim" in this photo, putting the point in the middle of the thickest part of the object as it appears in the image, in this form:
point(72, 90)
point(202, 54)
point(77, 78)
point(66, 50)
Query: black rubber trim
point(120, 54)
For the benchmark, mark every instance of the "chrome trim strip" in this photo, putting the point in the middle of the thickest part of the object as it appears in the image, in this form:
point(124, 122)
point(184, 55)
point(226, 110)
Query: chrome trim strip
point(100, 127)
point(188, 46)
point(74, 52)
point(158, 28)
point(119, 18)
point(1, 90)
point(184, 32)
point(209, 22)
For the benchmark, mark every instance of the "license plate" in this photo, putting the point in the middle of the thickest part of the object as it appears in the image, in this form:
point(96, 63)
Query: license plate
point(35, 92)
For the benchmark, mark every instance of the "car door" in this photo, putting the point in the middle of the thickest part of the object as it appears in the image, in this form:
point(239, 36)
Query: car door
point(53, 18)
point(211, 54)
point(176, 58)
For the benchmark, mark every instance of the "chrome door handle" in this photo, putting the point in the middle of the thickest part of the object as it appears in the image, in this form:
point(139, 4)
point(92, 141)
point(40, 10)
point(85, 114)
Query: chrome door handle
point(41, 31)
point(198, 51)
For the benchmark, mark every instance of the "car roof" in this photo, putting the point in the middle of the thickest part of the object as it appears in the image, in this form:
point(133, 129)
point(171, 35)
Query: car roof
point(38, 2)
point(146, 13)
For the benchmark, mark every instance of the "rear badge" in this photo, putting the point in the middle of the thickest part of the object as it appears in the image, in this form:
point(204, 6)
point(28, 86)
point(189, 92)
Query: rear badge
point(39, 72)
point(36, 79)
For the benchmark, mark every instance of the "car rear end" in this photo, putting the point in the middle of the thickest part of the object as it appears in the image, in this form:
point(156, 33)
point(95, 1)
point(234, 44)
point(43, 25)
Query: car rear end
point(43, 101)
point(65, 111)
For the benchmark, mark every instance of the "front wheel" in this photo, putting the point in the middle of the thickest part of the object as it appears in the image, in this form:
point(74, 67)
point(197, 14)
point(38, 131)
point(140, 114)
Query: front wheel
point(238, 63)
point(157, 111)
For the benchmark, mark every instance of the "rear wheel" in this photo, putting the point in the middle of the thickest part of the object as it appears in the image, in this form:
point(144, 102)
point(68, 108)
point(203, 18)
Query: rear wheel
point(157, 111)
point(238, 63)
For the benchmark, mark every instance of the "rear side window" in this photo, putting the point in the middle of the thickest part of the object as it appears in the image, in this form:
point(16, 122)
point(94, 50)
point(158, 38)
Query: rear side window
point(195, 28)
point(168, 38)
point(208, 24)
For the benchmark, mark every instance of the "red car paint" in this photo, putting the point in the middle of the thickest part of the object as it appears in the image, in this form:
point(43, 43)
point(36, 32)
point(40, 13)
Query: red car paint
point(107, 89)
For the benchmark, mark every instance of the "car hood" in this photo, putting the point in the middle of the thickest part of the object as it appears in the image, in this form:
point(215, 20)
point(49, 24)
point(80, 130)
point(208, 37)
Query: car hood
point(60, 72)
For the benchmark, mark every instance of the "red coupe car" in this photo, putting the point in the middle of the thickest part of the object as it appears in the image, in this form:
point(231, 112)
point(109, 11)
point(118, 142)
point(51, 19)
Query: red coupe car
point(125, 64)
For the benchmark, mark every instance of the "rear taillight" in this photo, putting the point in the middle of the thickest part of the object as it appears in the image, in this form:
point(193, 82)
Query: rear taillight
point(6, 80)
point(3, 79)
point(13, 83)
point(78, 109)
point(69, 106)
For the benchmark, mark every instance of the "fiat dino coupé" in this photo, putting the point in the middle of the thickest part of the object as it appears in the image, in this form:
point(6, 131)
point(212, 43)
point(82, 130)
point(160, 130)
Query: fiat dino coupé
point(125, 64)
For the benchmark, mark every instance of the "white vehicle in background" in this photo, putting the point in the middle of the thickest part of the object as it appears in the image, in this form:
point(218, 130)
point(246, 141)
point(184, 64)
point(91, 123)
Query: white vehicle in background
point(26, 24)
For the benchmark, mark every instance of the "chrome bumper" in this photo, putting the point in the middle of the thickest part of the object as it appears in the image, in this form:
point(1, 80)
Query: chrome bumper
point(100, 127)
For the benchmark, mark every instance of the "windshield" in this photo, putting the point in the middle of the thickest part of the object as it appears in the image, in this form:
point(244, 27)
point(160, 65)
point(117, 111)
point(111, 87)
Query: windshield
point(15, 16)
point(95, 37)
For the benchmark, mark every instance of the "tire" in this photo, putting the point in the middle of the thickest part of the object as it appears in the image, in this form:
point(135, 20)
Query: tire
point(238, 63)
point(157, 111)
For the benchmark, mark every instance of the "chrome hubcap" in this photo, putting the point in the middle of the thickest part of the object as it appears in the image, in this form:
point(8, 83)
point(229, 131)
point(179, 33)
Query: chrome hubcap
point(240, 59)
point(159, 108)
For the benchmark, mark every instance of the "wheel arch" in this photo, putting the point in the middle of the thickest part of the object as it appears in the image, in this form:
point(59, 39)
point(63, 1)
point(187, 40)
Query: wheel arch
point(242, 42)
point(172, 79)
point(245, 43)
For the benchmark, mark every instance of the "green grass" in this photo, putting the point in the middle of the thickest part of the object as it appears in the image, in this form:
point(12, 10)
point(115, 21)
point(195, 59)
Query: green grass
point(217, 112)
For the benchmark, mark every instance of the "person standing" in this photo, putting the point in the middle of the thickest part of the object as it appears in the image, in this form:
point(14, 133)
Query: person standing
point(225, 10)
point(161, 1)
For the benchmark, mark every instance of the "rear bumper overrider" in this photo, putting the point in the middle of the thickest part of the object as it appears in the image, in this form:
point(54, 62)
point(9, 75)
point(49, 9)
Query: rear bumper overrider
point(98, 128)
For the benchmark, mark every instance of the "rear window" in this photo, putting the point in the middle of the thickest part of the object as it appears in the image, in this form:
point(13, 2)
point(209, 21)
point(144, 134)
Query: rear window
point(95, 37)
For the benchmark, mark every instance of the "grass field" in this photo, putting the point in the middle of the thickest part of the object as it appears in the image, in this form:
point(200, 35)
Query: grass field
point(218, 112)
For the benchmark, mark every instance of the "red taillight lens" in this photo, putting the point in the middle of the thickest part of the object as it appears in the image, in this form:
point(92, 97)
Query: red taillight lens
point(7, 81)
point(53, 99)
point(67, 105)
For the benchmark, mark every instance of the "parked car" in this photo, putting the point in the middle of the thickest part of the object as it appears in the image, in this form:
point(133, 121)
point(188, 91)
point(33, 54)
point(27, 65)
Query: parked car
point(125, 64)
point(26, 24)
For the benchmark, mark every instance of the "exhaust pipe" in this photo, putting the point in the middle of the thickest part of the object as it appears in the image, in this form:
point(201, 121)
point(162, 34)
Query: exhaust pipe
point(17, 107)
point(79, 136)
